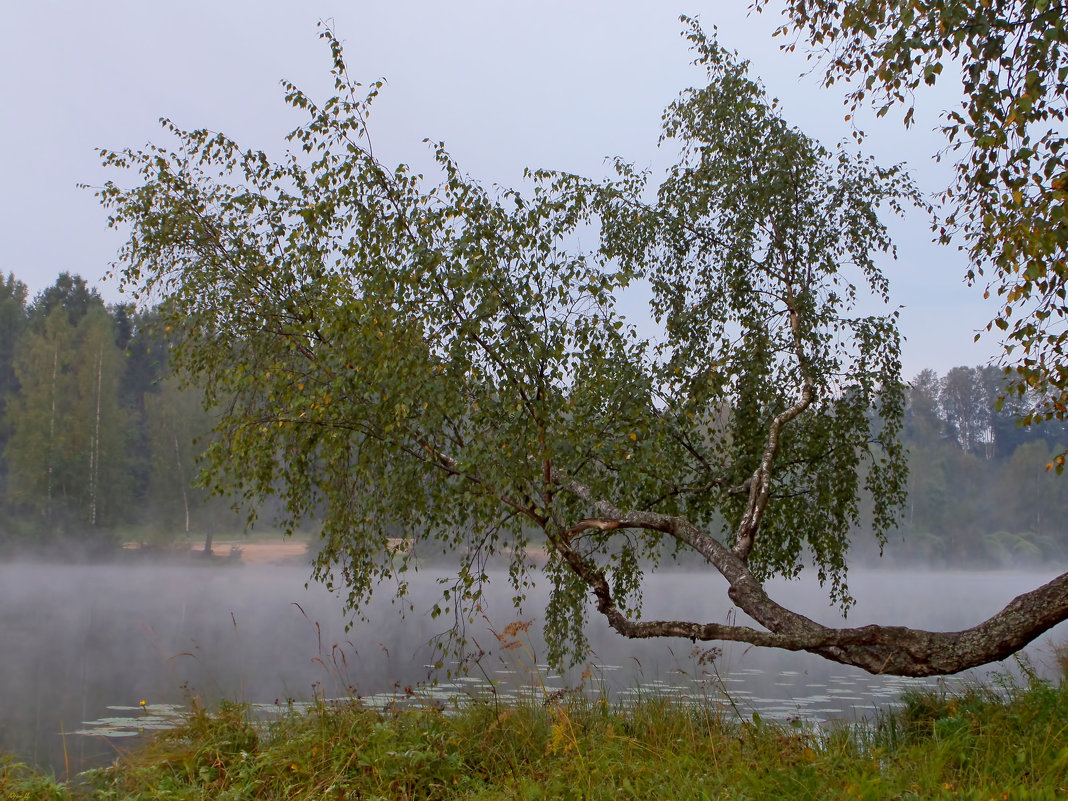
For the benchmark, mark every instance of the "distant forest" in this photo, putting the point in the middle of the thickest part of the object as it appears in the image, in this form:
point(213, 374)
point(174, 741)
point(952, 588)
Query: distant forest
point(99, 443)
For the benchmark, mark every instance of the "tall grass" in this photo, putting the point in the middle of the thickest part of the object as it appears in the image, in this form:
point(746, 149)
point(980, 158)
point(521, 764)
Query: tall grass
point(983, 742)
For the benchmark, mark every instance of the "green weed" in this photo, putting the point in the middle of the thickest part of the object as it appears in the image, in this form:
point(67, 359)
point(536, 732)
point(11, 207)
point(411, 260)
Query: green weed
point(19, 783)
point(984, 742)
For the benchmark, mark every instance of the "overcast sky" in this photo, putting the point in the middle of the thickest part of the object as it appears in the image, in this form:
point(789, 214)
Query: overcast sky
point(506, 84)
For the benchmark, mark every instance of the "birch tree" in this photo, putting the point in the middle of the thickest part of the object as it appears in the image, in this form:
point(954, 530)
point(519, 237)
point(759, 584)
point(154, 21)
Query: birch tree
point(426, 355)
point(13, 296)
point(98, 425)
point(37, 454)
point(66, 458)
point(178, 431)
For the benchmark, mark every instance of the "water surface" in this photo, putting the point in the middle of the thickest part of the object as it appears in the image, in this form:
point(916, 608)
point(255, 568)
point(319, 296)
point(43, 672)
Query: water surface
point(77, 640)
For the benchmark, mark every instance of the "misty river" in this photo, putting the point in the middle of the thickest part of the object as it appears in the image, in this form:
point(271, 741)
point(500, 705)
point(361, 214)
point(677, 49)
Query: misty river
point(82, 643)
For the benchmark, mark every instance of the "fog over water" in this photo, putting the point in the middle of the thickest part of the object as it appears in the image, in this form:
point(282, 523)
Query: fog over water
point(77, 639)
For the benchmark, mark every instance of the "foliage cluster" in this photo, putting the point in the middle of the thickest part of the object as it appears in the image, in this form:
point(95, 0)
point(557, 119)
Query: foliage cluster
point(978, 744)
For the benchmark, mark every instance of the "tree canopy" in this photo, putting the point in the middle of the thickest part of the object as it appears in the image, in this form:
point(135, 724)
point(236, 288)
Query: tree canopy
point(1010, 198)
point(427, 360)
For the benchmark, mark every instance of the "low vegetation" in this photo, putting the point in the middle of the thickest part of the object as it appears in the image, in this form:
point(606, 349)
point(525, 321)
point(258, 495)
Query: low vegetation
point(1007, 741)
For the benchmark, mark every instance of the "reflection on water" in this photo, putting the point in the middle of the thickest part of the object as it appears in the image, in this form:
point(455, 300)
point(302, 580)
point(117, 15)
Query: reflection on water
point(82, 646)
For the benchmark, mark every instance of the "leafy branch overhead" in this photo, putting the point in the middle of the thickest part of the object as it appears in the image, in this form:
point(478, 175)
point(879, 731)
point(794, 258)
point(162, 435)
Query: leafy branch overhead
point(430, 358)
point(1010, 198)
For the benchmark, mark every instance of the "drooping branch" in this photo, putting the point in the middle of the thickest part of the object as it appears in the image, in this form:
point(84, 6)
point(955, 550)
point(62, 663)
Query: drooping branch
point(892, 650)
point(895, 650)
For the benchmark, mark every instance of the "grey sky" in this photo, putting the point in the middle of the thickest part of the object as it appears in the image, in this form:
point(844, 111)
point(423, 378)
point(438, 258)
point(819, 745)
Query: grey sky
point(505, 84)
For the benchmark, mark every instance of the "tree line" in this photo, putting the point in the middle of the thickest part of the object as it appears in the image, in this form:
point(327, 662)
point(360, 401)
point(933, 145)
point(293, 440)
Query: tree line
point(98, 439)
point(981, 488)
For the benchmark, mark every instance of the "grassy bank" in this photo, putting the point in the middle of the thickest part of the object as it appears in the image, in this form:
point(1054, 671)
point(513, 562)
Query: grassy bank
point(1010, 743)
